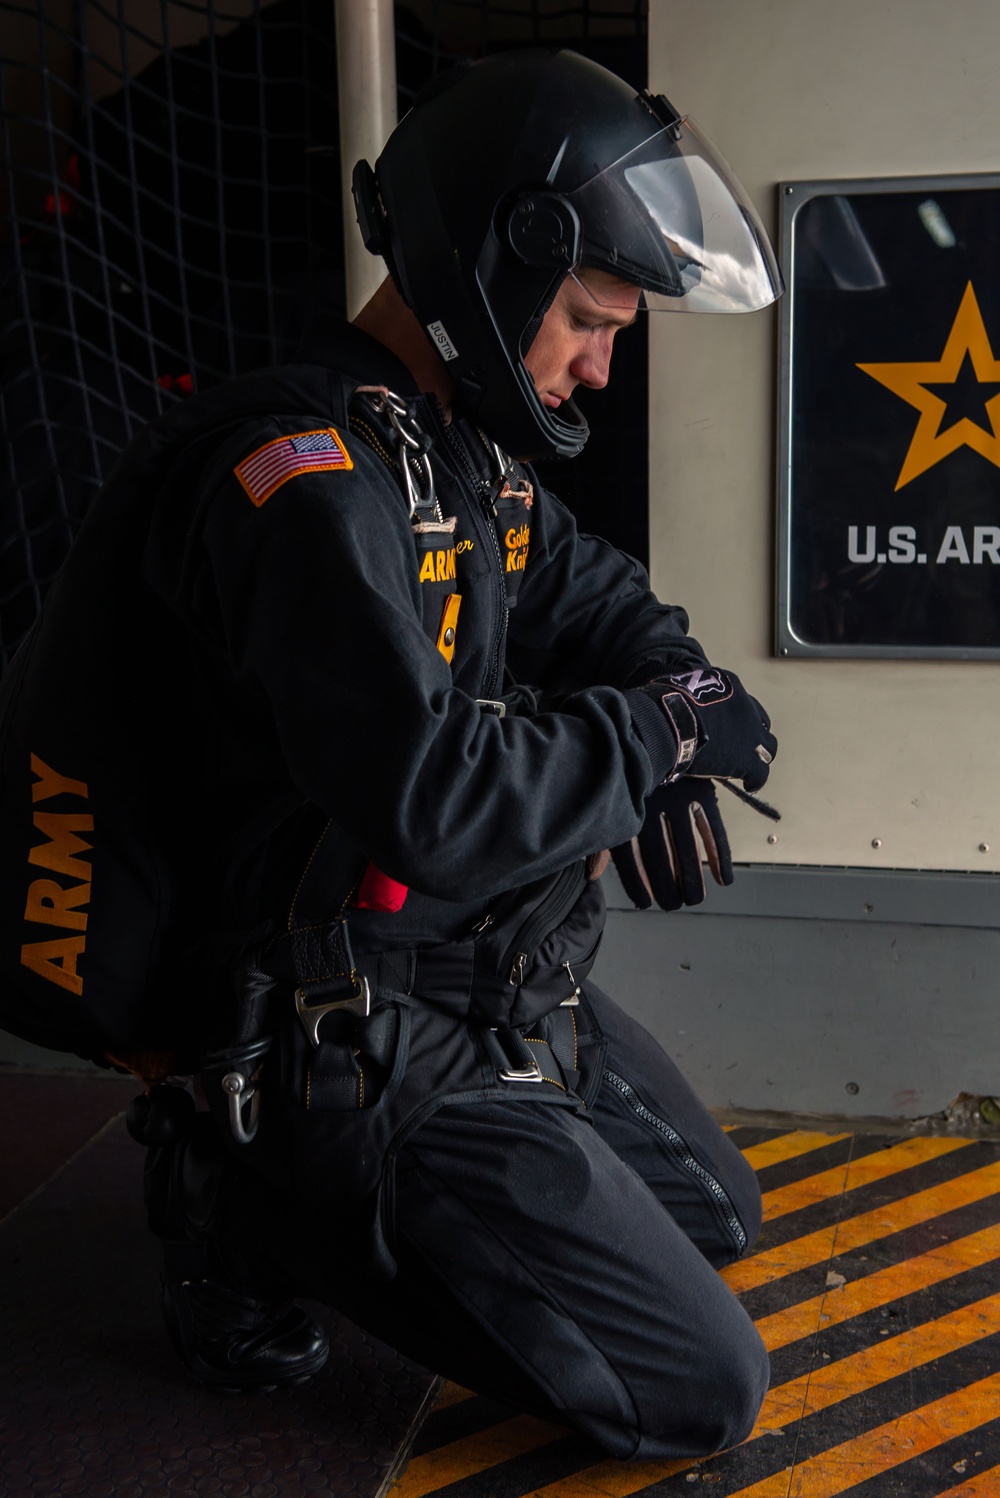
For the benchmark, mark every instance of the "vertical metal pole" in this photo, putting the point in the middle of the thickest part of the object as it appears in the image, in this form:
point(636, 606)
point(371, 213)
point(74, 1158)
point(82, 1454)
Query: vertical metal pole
point(366, 79)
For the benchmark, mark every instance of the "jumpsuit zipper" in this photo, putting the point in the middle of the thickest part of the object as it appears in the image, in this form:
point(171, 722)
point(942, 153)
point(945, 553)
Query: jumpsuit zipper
point(544, 918)
point(682, 1152)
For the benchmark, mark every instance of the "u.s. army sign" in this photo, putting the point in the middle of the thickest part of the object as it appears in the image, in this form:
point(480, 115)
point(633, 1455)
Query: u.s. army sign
point(890, 418)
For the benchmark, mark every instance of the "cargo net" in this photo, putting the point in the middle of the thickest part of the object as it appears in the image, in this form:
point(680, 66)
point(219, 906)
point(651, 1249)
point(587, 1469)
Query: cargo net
point(170, 217)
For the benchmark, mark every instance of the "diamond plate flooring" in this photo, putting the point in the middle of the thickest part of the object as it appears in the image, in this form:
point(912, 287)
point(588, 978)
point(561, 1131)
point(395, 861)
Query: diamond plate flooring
point(876, 1286)
point(93, 1400)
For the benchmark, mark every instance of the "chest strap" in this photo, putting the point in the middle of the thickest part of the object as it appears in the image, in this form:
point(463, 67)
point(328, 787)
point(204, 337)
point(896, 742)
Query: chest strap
point(388, 425)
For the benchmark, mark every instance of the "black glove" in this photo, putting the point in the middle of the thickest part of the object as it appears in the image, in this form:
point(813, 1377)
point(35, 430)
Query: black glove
point(720, 729)
point(664, 862)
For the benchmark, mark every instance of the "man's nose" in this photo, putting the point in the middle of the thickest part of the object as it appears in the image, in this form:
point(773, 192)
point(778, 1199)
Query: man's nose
point(592, 366)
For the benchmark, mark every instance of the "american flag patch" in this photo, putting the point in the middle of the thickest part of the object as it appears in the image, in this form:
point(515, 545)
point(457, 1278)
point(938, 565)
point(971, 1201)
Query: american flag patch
point(276, 462)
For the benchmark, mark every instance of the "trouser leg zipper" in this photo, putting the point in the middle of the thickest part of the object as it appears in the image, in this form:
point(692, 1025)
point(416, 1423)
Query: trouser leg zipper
point(682, 1153)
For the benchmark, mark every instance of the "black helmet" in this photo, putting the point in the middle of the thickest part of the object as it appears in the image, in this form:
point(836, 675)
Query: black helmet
point(509, 174)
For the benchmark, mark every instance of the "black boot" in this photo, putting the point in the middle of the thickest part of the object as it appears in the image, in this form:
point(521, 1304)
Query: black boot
point(233, 1342)
point(228, 1334)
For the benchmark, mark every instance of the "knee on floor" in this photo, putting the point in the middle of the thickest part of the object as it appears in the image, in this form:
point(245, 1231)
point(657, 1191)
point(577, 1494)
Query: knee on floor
point(707, 1409)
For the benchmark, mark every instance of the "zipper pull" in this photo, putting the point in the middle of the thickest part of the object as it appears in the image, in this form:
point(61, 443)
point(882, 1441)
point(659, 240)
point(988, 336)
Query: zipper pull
point(517, 971)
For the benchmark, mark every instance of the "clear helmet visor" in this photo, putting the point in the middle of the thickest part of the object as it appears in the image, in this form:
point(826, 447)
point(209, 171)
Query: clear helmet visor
point(671, 218)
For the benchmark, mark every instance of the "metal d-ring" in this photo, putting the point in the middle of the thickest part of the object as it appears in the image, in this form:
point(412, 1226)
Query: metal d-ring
point(311, 1015)
point(240, 1091)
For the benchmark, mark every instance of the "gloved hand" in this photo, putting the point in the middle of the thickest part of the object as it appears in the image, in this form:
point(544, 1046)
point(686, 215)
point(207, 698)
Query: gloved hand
point(720, 729)
point(663, 863)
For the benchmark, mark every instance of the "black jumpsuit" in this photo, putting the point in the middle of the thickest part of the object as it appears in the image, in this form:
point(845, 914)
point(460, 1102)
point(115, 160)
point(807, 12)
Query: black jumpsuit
point(551, 1241)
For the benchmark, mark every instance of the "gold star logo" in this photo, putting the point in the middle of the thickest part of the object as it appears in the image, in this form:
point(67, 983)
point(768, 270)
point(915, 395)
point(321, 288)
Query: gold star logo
point(967, 339)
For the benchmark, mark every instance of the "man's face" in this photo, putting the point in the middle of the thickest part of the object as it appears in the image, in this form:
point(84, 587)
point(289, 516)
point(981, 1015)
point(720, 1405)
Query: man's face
point(573, 345)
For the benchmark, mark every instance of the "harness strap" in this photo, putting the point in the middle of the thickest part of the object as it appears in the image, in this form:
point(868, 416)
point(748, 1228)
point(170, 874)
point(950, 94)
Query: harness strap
point(544, 1049)
point(387, 424)
point(450, 978)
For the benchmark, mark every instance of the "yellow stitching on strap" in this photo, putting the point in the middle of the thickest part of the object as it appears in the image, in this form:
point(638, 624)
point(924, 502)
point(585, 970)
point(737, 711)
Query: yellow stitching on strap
point(554, 1080)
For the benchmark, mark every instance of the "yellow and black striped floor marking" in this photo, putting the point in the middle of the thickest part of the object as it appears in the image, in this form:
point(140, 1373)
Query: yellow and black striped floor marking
point(876, 1287)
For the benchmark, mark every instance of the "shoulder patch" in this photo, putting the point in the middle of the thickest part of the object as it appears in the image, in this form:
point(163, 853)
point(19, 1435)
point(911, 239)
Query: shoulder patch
point(285, 457)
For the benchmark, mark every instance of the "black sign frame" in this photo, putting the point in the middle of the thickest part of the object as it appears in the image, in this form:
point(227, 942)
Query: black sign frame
point(888, 492)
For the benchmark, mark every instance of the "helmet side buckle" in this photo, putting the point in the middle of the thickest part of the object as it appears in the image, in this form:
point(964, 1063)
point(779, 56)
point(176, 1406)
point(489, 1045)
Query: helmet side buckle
point(368, 206)
point(544, 230)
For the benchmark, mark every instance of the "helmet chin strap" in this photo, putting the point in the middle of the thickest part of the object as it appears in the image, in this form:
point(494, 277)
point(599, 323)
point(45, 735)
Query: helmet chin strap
point(534, 327)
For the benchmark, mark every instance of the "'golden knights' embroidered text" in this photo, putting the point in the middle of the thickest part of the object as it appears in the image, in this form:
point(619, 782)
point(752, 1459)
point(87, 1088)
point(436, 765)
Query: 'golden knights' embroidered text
point(517, 547)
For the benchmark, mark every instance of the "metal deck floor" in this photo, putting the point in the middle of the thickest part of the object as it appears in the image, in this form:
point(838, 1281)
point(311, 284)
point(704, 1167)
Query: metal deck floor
point(93, 1400)
point(875, 1286)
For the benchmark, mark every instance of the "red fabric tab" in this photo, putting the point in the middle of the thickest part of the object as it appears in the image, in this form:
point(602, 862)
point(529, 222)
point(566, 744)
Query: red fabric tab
point(378, 892)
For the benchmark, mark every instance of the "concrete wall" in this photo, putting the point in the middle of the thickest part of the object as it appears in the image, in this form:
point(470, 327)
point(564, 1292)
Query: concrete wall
point(859, 993)
point(901, 755)
point(854, 989)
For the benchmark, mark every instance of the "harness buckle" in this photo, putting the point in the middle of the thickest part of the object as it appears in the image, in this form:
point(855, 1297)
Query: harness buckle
point(514, 1048)
point(312, 1015)
point(412, 445)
